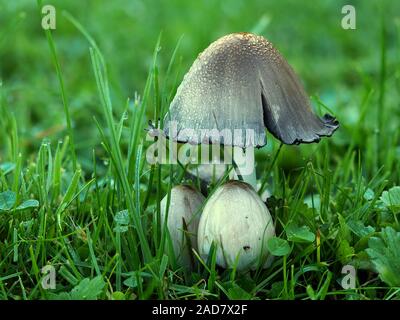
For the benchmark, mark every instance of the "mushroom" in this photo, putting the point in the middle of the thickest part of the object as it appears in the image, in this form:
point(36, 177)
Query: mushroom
point(239, 223)
point(242, 84)
point(182, 222)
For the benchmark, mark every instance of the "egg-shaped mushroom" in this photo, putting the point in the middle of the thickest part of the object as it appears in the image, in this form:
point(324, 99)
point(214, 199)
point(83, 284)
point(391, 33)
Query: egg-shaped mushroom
point(237, 221)
point(183, 215)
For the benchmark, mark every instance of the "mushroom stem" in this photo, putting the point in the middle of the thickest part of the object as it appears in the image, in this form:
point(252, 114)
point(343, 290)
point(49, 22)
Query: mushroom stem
point(244, 165)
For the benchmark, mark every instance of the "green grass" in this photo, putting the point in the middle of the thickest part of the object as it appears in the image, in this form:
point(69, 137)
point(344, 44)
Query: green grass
point(77, 193)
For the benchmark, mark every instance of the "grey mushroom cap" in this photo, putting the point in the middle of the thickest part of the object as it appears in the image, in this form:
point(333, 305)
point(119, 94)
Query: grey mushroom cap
point(242, 82)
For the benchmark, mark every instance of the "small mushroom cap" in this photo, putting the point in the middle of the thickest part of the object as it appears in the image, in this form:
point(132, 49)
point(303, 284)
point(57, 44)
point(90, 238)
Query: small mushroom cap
point(242, 82)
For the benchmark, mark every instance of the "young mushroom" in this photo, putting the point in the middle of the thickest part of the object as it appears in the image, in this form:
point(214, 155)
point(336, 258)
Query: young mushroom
point(239, 223)
point(182, 221)
point(242, 84)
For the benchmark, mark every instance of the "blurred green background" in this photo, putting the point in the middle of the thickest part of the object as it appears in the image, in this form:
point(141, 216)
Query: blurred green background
point(344, 68)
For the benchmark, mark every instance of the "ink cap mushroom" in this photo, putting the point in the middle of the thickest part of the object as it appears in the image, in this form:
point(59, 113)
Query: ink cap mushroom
point(241, 82)
point(182, 217)
point(237, 221)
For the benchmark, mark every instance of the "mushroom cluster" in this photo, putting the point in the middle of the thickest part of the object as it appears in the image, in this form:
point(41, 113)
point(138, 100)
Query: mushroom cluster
point(241, 85)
